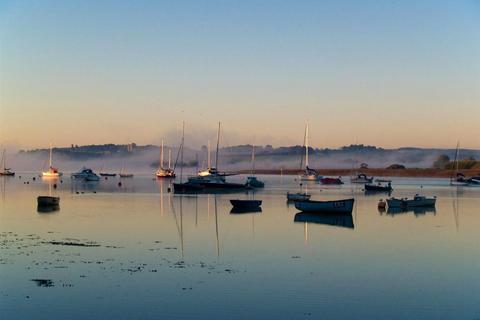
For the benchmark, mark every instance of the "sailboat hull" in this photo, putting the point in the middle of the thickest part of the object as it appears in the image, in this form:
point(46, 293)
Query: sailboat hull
point(337, 206)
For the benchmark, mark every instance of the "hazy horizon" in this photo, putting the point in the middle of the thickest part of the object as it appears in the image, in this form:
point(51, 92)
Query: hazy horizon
point(389, 74)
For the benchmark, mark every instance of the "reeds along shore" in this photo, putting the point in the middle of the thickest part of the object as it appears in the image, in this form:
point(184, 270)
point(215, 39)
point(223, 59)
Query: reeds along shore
point(409, 172)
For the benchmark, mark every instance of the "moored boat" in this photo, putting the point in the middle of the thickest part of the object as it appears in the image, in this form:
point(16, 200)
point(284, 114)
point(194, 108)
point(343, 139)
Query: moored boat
point(308, 174)
point(5, 171)
point(86, 174)
point(45, 201)
point(207, 180)
point(361, 178)
point(328, 180)
point(246, 204)
point(334, 206)
point(378, 187)
point(165, 172)
point(252, 181)
point(125, 175)
point(416, 201)
point(106, 174)
point(52, 172)
point(299, 196)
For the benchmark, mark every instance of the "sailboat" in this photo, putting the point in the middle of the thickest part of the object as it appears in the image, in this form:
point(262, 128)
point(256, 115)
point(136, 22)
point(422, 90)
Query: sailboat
point(459, 179)
point(105, 174)
point(123, 173)
point(211, 179)
point(52, 171)
point(252, 180)
point(163, 172)
point(308, 174)
point(5, 171)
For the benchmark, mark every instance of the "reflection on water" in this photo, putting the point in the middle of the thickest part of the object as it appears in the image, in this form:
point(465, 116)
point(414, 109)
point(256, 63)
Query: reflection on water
point(332, 219)
point(417, 211)
point(161, 255)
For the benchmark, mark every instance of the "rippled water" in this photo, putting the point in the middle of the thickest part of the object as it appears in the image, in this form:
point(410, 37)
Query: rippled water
point(157, 255)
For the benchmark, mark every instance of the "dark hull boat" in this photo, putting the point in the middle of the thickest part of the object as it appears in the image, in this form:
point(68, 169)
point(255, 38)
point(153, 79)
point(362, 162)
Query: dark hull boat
point(246, 204)
point(377, 188)
point(187, 187)
point(331, 181)
point(45, 201)
point(108, 174)
point(253, 182)
point(335, 206)
point(211, 187)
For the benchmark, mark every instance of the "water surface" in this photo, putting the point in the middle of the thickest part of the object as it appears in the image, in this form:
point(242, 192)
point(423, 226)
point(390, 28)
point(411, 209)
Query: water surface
point(158, 255)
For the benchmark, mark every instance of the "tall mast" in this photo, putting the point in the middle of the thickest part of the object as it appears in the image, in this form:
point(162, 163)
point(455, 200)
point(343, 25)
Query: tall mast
point(161, 156)
point(456, 156)
point(253, 160)
point(3, 160)
point(209, 164)
point(218, 143)
point(181, 155)
point(50, 155)
point(169, 158)
point(306, 145)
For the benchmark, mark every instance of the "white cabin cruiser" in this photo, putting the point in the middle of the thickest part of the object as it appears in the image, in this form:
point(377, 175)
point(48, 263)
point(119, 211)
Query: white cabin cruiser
point(86, 174)
point(417, 201)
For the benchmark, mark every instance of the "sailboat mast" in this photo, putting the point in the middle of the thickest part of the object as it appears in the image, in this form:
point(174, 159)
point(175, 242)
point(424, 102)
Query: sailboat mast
point(456, 156)
point(253, 160)
point(3, 160)
point(181, 155)
point(169, 158)
point(306, 145)
point(218, 143)
point(50, 155)
point(208, 156)
point(161, 156)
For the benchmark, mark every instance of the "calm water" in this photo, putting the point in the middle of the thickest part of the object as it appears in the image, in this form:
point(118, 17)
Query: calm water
point(159, 255)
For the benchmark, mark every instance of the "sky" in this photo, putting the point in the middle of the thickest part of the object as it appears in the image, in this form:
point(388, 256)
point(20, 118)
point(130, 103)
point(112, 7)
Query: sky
point(385, 73)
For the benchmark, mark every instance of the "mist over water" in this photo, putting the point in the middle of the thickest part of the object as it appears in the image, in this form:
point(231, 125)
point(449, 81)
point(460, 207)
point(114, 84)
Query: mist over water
point(146, 161)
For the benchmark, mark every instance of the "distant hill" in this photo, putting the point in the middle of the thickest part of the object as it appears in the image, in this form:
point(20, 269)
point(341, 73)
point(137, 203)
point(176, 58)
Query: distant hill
point(238, 157)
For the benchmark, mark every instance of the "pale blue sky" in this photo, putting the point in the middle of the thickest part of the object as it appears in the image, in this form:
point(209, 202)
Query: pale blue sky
point(389, 73)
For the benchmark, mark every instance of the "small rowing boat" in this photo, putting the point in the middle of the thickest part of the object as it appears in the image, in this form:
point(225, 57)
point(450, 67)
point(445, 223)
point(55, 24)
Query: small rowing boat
point(246, 204)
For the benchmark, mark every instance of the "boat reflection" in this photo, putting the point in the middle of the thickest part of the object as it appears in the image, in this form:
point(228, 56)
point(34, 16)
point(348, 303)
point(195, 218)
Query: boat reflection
point(417, 211)
point(331, 219)
point(245, 210)
point(47, 209)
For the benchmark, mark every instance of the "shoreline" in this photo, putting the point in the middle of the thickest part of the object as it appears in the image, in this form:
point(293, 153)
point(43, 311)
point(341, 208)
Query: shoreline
point(375, 172)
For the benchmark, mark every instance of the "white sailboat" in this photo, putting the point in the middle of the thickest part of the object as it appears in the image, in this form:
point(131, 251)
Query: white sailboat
point(163, 172)
point(123, 173)
point(5, 171)
point(252, 180)
point(308, 174)
point(52, 172)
